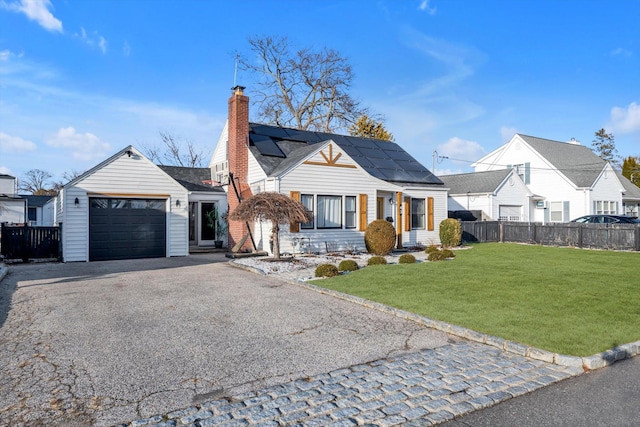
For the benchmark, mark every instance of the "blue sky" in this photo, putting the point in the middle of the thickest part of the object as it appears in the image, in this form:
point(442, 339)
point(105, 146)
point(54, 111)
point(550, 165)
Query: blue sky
point(82, 79)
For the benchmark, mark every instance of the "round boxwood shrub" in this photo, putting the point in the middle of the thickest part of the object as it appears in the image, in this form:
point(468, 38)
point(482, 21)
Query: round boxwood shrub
point(326, 270)
point(377, 260)
point(380, 237)
point(431, 248)
point(406, 259)
point(436, 256)
point(450, 233)
point(448, 253)
point(347, 265)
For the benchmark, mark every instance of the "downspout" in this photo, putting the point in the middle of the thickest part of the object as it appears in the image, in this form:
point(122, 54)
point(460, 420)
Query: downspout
point(399, 218)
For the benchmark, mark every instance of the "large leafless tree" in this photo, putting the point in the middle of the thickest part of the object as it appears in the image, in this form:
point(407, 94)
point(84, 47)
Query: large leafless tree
point(37, 182)
point(305, 89)
point(274, 207)
point(174, 152)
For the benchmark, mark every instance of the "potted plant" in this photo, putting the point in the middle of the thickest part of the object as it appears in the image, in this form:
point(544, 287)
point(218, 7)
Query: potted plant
point(219, 224)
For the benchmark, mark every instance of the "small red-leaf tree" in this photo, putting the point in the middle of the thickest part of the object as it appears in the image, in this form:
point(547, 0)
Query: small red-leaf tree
point(275, 207)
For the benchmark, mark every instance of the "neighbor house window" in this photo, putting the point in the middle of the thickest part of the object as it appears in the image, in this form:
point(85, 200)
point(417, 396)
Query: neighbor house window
point(33, 214)
point(418, 214)
point(329, 212)
point(307, 201)
point(606, 207)
point(555, 211)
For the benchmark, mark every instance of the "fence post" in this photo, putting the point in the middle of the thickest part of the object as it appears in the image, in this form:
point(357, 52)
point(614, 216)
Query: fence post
point(501, 231)
point(60, 242)
point(25, 243)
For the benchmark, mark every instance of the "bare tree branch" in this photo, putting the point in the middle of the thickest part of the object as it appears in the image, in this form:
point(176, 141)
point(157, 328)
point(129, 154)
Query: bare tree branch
point(305, 89)
point(36, 181)
point(175, 152)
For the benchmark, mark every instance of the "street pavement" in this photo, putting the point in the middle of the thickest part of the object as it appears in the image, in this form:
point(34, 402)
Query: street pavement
point(606, 397)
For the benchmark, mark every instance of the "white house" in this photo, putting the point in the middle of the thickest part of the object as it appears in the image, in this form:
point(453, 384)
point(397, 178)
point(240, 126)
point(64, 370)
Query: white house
point(499, 194)
point(13, 208)
point(567, 179)
point(125, 207)
point(630, 197)
point(346, 182)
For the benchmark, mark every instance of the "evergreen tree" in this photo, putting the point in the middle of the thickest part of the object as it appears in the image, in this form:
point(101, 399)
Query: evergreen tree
point(367, 127)
point(631, 169)
point(604, 146)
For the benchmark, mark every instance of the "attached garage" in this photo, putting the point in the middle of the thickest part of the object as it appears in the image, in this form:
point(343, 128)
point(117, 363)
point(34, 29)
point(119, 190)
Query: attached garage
point(127, 228)
point(126, 207)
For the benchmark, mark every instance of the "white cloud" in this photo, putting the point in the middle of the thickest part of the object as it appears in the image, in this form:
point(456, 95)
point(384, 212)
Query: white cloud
point(85, 146)
point(424, 6)
point(625, 120)
point(14, 144)
point(5, 170)
point(94, 39)
point(461, 150)
point(506, 133)
point(36, 10)
point(621, 52)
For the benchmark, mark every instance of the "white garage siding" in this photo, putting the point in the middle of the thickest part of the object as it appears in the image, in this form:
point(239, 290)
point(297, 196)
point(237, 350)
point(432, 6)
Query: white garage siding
point(122, 176)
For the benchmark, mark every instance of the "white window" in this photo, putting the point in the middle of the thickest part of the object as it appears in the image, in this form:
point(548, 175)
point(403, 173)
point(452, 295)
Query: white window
point(555, 211)
point(417, 214)
point(307, 201)
point(606, 207)
point(329, 212)
point(350, 212)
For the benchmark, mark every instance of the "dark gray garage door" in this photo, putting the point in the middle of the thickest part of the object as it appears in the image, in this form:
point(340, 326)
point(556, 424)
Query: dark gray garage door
point(126, 228)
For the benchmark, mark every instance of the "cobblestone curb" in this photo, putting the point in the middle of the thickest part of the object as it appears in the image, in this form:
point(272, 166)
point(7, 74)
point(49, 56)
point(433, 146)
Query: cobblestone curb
point(596, 361)
point(422, 388)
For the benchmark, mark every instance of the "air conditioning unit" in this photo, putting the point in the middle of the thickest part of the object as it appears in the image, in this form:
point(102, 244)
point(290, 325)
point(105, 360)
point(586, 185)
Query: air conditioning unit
point(542, 204)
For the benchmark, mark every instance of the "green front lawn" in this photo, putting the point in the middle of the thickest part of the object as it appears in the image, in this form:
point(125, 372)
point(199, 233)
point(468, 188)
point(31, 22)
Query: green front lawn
point(564, 300)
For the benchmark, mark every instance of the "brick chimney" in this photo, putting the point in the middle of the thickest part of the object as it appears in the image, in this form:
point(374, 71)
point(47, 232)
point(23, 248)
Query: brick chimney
point(238, 156)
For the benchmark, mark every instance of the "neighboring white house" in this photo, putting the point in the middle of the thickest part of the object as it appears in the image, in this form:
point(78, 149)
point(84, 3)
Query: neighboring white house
point(125, 207)
point(346, 182)
point(499, 194)
point(570, 180)
point(630, 197)
point(13, 208)
point(37, 214)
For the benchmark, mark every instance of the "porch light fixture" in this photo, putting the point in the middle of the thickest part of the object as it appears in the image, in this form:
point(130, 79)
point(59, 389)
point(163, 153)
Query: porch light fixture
point(76, 202)
point(177, 203)
point(391, 200)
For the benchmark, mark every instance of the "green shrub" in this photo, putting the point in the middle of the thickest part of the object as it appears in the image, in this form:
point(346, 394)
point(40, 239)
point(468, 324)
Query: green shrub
point(326, 270)
point(406, 259)
point(436, 256)
point(377, 260)
point(380, 237)
point(448, 253)
point(450, 233)
point(347, 265)
point(432, 248)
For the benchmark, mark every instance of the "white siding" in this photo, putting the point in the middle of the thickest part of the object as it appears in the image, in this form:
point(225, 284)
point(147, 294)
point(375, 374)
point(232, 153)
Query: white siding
point(49, 212)
point(512, 192)
point(12, 211)
point(125, 176)
point(220, 152)
point(471, 202)
point(8, 185)
point(344, 181)
point(607, 188)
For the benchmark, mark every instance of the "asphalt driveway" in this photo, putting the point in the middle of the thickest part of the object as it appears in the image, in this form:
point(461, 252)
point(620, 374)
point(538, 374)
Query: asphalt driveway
point(107, 342)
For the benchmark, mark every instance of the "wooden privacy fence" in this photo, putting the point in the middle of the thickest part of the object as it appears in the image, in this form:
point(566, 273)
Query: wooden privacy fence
point(26, 242)
point(624, 237)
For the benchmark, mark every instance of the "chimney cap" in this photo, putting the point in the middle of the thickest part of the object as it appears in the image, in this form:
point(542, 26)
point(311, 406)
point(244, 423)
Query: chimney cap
point(238, 89)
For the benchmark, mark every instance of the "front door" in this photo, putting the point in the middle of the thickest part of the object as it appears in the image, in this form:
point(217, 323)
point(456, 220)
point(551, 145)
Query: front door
point(207, 227)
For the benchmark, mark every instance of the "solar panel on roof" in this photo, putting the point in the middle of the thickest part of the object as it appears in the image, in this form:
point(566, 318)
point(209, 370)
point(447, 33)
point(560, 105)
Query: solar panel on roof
point(271, 131)
point(267, 147)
